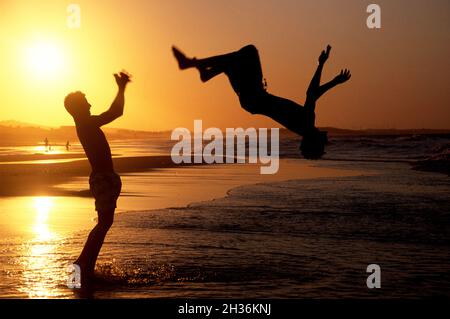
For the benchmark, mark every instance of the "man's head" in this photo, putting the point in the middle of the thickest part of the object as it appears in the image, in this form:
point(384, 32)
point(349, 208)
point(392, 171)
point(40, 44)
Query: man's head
point(313, 144)
point(77, 105)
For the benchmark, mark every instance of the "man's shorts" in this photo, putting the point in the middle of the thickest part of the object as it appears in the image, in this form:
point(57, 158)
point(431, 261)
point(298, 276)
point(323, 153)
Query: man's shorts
point(245, 72)
point(105, 187)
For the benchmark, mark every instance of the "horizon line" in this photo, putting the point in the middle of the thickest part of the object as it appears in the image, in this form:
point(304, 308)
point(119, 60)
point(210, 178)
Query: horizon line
point(18, 124)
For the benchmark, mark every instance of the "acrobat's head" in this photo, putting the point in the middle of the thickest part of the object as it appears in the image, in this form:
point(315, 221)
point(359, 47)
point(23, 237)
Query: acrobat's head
point(313, 144)
point(77, 105)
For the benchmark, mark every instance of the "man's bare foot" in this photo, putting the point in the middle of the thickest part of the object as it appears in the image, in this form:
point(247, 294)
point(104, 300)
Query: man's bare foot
point(183, 61)
point(344, 76)
point(86, 275)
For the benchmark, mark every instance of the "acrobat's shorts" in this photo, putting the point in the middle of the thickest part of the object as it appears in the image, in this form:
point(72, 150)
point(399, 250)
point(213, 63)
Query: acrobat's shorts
point(105, 187)
point(245, 72)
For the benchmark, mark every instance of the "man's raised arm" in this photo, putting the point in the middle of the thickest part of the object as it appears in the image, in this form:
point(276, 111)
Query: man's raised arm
point(116, 108)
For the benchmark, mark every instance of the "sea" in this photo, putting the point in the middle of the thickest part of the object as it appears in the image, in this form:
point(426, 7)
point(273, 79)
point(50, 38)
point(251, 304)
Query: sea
point(299, 238)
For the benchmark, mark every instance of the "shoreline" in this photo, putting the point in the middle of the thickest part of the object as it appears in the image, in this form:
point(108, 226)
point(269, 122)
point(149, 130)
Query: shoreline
point(192, 184)
point(11, 159)
point(149, 183)
point(40, 179)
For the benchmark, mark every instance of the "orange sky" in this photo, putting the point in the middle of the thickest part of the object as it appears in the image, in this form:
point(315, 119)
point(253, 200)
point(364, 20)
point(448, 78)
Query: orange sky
point(399, 72)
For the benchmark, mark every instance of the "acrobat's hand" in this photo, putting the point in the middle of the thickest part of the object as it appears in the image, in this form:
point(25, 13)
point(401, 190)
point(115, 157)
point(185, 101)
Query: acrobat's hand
point(122, 79)
point(324, 55)
point(344, 76)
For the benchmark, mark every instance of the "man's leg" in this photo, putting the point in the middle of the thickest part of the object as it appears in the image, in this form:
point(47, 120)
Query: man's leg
point(207, 74)
point(211, 62)
point(245, 72)
point(242, 66)
point(88, 256)
point(208, 67)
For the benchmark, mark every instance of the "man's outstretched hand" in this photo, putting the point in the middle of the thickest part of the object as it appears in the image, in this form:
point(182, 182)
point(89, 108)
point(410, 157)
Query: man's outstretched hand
point(342, 77)
point(122, 79)
point(324, 55)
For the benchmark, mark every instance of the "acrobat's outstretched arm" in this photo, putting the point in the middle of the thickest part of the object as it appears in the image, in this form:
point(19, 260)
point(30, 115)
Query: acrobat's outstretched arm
point(342, 77)
point(315, 90)
point(315, 81)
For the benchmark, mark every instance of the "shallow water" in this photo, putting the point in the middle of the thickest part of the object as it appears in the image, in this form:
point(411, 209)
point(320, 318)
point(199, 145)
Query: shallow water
point(292, 239)
point(37, 232)
point(286, 237)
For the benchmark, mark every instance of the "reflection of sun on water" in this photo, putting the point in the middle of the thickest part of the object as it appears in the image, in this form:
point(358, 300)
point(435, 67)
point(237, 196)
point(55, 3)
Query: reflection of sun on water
point(41, 272)
point(43, 206)
point(42, 149)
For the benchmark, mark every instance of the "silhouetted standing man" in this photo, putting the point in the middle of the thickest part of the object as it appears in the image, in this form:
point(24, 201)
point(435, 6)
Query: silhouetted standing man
point(104, 183)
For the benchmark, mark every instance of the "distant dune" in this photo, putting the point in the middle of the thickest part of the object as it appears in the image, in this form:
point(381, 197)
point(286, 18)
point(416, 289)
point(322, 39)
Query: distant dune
point(18, 133)
point(338, 131)
point(14, 123)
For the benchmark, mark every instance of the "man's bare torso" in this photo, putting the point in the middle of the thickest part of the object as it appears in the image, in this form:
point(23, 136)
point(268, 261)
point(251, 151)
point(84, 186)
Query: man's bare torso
point(95, 145)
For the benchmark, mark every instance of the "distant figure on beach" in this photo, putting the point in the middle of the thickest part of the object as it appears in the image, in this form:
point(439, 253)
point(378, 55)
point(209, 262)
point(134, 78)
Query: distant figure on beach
point(67, 146)
point(243, 69)
point(46, 144)
point(105, 184)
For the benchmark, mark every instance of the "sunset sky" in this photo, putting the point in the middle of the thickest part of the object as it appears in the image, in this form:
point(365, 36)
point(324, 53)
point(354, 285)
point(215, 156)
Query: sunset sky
point(400, 72)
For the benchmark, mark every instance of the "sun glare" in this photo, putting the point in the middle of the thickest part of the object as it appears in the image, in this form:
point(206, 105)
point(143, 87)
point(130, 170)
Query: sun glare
point(44, 59)
point(43, 207)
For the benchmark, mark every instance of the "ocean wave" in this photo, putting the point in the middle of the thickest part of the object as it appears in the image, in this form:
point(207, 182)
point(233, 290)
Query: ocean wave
point(290, 236)
point(429, 149)
point(439, 162)
point(132, 274)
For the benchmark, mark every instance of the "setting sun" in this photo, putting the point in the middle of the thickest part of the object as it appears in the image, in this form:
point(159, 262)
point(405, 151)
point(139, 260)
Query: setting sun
point(44, 59)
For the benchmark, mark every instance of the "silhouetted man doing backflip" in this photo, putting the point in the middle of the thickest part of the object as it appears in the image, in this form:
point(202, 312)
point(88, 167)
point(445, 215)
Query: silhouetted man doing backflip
point(243, 69)
point(104, 183)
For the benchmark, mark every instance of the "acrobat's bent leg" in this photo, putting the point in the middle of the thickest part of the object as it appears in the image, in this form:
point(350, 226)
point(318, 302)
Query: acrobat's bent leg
point(216, 62)
point(242, 67)
point(207, 74)
point(208, 67)
point(245, 72)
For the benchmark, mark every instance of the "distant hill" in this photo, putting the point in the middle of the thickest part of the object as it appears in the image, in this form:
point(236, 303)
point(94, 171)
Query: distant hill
point(338, 131)
point(333, 131)
point(14, 123)
point(19, 133)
